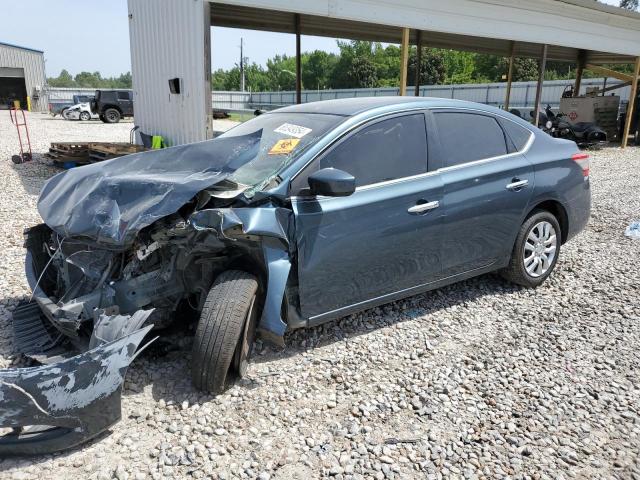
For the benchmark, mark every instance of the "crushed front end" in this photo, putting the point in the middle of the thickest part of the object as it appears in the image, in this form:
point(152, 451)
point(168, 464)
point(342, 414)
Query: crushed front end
point(125, 245)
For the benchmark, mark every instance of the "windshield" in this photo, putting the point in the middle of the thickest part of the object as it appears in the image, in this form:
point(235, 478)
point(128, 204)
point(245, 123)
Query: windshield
point(283, 137)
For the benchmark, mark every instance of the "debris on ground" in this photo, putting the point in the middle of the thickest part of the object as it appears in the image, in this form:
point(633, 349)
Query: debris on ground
point(633, 230)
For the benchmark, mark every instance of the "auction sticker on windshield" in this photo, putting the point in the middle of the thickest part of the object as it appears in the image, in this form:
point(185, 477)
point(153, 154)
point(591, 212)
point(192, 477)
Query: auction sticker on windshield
point(292, 130)
point(284, 146)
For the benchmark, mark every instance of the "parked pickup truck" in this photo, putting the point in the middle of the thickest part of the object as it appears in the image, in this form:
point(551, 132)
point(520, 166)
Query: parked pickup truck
point(57, 107)
point(112, 105)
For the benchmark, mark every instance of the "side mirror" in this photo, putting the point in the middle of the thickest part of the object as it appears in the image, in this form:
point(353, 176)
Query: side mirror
point(332, 182)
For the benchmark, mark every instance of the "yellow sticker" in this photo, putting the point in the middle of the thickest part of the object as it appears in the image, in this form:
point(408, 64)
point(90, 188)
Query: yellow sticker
point(284, 146)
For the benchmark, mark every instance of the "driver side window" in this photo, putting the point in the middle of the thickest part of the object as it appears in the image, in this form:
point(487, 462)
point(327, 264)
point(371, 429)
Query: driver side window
point(388, 149)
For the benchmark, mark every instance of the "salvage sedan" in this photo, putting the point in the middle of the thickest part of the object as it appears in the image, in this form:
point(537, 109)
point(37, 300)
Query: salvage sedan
point(294, 218)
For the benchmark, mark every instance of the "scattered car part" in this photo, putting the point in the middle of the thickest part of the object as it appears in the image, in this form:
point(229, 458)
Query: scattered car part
point(57, 406)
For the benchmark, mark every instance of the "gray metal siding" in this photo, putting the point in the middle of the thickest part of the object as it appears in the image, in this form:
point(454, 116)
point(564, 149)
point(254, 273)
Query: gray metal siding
point(60, 94)
point(522, 94)
point(33, 64)
point(170, 38)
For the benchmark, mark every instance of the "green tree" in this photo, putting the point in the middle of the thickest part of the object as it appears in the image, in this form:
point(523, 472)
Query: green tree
point(362, 73)
point(629, 4)
point(63, 80)
point(317, 69)
point(432, 68)
point(87, 79)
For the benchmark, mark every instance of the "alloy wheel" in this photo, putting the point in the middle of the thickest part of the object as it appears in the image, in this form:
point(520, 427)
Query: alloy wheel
point(540, 249)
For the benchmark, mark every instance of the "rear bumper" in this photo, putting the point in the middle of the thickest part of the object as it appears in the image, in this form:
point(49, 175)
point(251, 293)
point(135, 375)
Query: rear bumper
point(579, 209)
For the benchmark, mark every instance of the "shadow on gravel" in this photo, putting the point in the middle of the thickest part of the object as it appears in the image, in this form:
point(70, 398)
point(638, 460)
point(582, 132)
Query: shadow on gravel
point(35, 173)
point(410, 308)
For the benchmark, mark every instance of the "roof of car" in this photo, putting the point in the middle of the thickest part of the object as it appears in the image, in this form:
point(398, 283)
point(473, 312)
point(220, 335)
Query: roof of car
point(353, 106)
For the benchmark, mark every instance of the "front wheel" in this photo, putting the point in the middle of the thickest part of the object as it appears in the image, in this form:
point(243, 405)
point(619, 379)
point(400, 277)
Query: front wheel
point(85, 116)
point(225, 332)
point(536, 250)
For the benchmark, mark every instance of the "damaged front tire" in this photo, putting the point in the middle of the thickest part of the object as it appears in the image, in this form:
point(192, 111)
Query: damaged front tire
point(225, 330)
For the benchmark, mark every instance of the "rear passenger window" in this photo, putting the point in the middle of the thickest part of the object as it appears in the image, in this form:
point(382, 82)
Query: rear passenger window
point(386, 150)
point(517, 134)
point(123, 95)
point(466, 137)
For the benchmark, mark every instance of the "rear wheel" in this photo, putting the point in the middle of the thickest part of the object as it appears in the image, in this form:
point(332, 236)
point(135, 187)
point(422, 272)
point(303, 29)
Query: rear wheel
point(84, 116)
point(225, 332)
point(111, 115)
point(536, 250)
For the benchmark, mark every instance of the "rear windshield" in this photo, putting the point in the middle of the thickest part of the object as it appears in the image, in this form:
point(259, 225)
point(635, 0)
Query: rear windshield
point(283, 138)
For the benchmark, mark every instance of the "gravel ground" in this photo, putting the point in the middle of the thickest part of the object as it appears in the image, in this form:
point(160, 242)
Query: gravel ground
point(476, 380)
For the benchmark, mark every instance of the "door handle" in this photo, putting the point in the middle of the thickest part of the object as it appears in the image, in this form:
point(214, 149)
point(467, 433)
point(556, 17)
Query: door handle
point(424, 207)
point(517, 184)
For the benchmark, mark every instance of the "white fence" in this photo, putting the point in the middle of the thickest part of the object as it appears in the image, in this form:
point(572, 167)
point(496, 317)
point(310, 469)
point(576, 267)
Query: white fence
point(522, 94)
point(58, 94)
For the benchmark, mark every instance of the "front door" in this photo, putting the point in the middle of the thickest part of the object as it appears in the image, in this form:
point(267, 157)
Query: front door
point(488, 184)
point(385, 237)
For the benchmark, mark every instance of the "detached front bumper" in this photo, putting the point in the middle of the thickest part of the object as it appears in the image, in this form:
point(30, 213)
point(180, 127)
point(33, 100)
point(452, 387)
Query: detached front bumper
point(76, 395)
point(55, 407)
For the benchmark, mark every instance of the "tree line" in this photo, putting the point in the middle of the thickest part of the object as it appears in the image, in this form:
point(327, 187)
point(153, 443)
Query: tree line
point(358, 64)
point(89, 80)
point(361, 64)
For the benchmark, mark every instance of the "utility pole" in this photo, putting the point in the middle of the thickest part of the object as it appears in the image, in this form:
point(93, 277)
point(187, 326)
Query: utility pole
point(241, 66)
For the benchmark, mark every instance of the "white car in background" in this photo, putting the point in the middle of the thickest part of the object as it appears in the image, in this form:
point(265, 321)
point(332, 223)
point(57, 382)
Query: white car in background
point(80, 111)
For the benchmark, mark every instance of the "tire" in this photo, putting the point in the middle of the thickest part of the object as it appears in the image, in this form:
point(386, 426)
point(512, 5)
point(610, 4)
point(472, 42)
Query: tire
point(229, 306)
point(62, 113)
point(85, 116)
point(111, 115)
point(526, 247)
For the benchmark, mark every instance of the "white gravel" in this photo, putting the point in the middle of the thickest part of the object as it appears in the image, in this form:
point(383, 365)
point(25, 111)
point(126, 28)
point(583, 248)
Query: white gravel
point(477, 380)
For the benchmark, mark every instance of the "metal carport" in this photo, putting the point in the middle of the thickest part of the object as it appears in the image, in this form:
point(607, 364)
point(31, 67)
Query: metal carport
point(171, 39)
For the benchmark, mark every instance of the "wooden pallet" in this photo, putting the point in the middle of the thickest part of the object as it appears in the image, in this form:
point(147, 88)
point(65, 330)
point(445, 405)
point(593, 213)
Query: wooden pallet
point(106, 151)
point(84, 153)
point(69, 149)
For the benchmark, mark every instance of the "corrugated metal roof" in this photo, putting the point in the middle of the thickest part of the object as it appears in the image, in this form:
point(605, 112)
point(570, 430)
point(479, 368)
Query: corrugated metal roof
point(608, 34)
point(20, 47)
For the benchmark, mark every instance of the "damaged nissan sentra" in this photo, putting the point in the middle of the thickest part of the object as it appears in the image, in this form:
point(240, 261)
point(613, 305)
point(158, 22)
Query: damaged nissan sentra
point(294, 218)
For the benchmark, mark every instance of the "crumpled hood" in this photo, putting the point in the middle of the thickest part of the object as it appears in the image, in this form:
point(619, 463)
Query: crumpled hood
point(110, 202)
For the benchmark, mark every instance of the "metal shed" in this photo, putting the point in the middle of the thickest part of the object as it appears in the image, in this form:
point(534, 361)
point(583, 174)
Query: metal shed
point(171, 39)
point(22, 75)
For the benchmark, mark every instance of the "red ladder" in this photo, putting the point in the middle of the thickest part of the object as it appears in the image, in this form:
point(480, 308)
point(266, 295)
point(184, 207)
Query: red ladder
point(24, 156)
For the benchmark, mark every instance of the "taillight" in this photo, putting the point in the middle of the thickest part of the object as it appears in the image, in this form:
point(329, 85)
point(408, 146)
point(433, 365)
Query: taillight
point(582, 159)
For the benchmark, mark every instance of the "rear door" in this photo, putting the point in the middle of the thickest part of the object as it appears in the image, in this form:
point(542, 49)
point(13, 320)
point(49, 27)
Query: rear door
point(488, 183)
point(382, 239)
point(125, 101)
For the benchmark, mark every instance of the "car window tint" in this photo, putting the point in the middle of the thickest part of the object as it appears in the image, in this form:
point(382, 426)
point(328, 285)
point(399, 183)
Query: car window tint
point(386, 150)
point(123, 95)
point(518, 134)
point(465, 137)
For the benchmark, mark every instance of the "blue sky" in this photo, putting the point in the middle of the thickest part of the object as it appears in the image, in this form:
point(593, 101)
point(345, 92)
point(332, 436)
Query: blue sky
point(69, 32)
